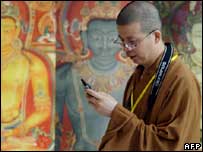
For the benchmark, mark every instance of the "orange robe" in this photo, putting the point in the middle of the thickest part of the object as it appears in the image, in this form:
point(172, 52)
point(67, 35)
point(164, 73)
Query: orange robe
point(173, 121)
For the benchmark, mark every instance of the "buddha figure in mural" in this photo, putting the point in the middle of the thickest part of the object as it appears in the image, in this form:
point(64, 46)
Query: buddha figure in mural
point(26, 100)
point(103, 70)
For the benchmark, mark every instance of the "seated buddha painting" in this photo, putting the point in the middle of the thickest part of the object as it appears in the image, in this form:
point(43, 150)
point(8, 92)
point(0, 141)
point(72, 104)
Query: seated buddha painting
point(26, 85)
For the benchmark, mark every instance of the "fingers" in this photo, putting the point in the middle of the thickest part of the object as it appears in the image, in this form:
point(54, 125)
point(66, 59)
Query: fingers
point(93, 93)
point(93, 101)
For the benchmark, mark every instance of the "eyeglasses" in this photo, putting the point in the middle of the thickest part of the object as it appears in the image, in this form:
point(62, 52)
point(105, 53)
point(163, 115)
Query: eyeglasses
point(130, 45)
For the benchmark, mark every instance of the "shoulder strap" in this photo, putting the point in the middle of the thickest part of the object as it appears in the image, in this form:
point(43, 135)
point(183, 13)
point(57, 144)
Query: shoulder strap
point(163, 67)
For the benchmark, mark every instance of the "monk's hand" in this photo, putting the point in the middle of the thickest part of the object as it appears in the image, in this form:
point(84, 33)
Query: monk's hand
point(102, 102)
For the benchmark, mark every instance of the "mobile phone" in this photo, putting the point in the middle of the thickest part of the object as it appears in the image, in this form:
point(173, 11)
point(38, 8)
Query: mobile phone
point(86, 85)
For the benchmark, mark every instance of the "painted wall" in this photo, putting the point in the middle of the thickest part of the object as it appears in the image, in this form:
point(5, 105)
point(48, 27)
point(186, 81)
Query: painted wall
point(55, 45)
point(28, 75)
point(86, 36)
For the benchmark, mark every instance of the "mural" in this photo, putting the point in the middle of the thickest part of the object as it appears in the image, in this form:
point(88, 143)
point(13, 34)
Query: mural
point(85, 50)
point(27, 99)
point(87, 38)
point(38, 37)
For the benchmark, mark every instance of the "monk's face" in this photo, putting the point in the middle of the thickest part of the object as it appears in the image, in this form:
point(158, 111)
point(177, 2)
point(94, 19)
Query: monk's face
point(8, 31)
point(137, 45)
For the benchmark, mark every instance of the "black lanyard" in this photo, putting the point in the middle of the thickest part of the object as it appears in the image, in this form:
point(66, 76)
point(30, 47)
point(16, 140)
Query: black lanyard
point(163, 67)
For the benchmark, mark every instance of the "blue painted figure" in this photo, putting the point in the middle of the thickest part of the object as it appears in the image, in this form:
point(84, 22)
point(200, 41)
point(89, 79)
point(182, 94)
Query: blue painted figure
point(101, 71)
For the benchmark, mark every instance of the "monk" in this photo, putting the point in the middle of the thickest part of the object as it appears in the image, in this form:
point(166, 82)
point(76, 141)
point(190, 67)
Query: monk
point(162, 101)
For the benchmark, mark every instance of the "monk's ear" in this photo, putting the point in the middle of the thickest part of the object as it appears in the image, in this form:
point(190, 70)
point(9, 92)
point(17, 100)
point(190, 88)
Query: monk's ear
point(157, 36)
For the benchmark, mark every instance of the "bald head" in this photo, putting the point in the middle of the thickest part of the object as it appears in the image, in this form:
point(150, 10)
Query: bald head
point(142, 12)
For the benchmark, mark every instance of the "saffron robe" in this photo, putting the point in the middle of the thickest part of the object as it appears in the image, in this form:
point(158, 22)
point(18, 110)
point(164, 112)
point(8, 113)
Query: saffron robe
point(173, 121)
